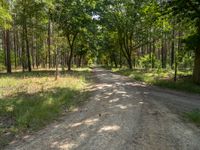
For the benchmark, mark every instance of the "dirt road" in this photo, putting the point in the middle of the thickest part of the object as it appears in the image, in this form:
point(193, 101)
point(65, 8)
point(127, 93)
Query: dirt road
point(122, 115)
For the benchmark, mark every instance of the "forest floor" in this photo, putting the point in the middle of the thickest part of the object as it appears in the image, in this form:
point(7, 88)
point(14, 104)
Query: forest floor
point(121, 114)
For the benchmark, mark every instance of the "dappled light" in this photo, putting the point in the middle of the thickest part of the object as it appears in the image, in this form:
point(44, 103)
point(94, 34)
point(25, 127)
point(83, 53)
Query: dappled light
point(120, 106)
point(109, 129)
point(99, 74)
point(114, 100)
point(111, 118)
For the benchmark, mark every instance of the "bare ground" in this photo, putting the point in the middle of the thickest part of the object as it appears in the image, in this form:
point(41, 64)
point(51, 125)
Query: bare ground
point(121, 115)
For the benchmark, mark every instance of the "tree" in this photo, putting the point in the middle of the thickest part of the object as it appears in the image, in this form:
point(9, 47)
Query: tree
point(71, 26)
point(5, 23)
point(190, 10)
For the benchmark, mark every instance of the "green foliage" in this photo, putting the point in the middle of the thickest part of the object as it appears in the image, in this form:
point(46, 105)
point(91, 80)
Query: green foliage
point(145, 61)
point(5, 17)
point(2, 58)
point(64, 14)
point(194, 116)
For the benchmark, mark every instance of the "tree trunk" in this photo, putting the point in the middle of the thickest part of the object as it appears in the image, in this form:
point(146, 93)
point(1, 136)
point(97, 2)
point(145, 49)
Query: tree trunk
point(196, 71)
point(176, 57)
point(120, 59)
point(8, 60)
point(23, 56)
point(153, 55)
point(115, 62)
point(4, 47)
point(32, 51)
point(164, 53)
point(129, 60)
point(172, 49)
point(71, 45)
point(18, 48)
point(15, 48)
point(70, 59)
point(56, 59)
point(27, 47)
point(49, 42)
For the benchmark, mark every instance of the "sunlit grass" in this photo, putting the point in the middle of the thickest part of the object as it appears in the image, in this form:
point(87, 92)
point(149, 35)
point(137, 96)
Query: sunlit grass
point(29, 101)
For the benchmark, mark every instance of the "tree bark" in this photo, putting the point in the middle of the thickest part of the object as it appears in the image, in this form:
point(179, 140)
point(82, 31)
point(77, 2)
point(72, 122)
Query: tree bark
point(8, 60)
point(56, 59)
point(196, 71)
point(153, 55)
point(15, 48)
point(49, 42)
point(172, 49)
point(4, 47)
point(71, 45)
point(27, 47)
point(164, 52)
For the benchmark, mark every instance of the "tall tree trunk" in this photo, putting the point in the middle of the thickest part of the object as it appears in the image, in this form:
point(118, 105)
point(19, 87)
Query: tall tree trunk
point(172, 49)
point(56, 59)
point(15, 47)
point(18, 47)
point(49, 42)
point(164, 52)
point(23, 56)
point(196, 72)
point(176, 57)
point(120, 59)
point(8, 60)
point(153, 55)
point(27, 47)
point(129, 60)
point(70, 59)
point(71, 45)
point(4, 47)
point(33, 51)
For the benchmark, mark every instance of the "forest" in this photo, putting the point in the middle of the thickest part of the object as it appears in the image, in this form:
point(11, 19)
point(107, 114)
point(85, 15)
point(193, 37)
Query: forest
point(49, 50)
point(136, 34)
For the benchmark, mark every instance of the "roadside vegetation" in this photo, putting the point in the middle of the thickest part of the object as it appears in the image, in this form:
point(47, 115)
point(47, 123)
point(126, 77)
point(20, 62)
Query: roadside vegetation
point(162, 78)
point(29, 101)
point(194, 116)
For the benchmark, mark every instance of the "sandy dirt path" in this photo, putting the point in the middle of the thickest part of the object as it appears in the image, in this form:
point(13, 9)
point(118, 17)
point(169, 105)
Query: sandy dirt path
point(121, 115)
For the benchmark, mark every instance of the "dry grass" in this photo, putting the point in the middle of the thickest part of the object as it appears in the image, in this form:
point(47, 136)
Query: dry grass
point(29, 101)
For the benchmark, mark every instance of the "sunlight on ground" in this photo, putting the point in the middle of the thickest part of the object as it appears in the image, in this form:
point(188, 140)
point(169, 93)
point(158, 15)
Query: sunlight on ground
point(69, 145)
point(114, 100)
point(86, 122)
point(109, 128)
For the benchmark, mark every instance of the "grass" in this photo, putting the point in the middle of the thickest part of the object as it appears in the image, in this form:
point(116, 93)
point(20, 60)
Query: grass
point(162, 78)
point(194, 116)
point(29, 101)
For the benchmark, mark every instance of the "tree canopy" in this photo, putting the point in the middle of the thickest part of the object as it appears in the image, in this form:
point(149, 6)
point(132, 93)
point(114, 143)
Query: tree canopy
point(132, 33)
